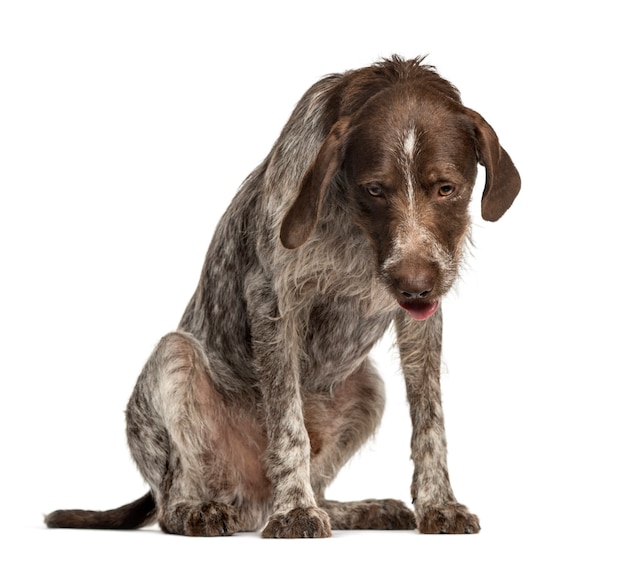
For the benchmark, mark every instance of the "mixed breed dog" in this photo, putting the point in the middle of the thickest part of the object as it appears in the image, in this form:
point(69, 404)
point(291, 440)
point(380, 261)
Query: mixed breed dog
point(356, 220)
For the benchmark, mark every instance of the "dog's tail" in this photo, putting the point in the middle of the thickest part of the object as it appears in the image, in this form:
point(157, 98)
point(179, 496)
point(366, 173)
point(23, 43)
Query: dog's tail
point(128, 517)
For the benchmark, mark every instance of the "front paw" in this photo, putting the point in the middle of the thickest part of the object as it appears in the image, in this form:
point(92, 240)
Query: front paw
point(200, 519)
point(452, 518)
point(300, 522)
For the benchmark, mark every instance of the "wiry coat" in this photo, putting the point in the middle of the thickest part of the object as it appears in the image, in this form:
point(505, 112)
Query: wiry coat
point(356, 219)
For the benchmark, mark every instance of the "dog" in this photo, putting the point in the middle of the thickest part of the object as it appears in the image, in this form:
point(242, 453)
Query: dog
point(356, 220)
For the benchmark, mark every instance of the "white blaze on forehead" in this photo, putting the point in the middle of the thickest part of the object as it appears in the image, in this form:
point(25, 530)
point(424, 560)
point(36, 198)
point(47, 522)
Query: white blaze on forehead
point(409, 148)
point(409, 144)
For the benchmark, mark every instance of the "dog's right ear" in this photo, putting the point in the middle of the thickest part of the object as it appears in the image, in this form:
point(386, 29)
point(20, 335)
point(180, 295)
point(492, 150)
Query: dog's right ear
point(302, 217)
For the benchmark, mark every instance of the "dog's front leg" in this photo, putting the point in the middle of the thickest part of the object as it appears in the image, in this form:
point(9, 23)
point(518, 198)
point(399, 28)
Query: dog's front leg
point(276, 361)
point(436, 508)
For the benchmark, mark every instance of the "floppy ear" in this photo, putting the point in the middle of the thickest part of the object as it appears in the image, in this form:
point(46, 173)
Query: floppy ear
point(302, 217)
point(503, 182)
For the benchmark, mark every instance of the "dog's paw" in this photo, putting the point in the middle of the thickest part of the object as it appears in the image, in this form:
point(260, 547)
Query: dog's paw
point(371, 514)
point(453, 518)
point(308, 522)
point(390, 514)
point(201, 519)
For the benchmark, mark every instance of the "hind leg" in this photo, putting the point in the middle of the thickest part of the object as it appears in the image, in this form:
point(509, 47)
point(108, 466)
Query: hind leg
point(200, 454)
point(338, 427)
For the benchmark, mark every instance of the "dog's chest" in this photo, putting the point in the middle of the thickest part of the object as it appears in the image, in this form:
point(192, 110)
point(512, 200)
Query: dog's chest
point(339, 332)
point(343, 308)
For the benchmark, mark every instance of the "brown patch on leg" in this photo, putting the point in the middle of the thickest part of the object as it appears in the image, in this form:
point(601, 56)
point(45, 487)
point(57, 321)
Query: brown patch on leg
point(205, 462)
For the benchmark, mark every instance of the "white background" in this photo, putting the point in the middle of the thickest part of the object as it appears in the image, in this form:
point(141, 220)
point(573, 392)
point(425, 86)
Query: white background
point(126, 128)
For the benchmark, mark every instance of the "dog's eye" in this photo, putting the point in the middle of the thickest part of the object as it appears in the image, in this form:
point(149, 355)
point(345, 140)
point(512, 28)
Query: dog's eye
point(446, 190)
point(375, 190)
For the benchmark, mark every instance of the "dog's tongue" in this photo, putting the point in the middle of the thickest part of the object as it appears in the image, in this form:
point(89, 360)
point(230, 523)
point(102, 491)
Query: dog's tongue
point(419, 309)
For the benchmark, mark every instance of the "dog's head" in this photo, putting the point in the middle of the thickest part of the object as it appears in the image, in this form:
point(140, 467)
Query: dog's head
point(408, 160)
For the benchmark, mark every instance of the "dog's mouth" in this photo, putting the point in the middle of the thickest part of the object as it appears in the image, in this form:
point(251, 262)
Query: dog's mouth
point(419, 309)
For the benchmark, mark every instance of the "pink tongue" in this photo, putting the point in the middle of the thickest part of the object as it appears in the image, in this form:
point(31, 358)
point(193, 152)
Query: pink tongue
point(420, 310)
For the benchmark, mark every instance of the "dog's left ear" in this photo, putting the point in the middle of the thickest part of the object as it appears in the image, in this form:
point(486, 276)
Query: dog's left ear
point(503, 182)
point(302, 217)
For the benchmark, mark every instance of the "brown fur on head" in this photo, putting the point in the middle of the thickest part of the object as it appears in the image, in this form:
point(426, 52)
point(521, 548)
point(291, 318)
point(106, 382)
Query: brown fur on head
point(407, 151)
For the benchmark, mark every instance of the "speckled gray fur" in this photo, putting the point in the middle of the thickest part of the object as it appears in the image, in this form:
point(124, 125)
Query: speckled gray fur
point(243, 416)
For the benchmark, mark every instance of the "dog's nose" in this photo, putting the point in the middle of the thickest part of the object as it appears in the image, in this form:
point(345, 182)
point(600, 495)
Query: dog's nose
point(415, 288)
point(415, 295)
